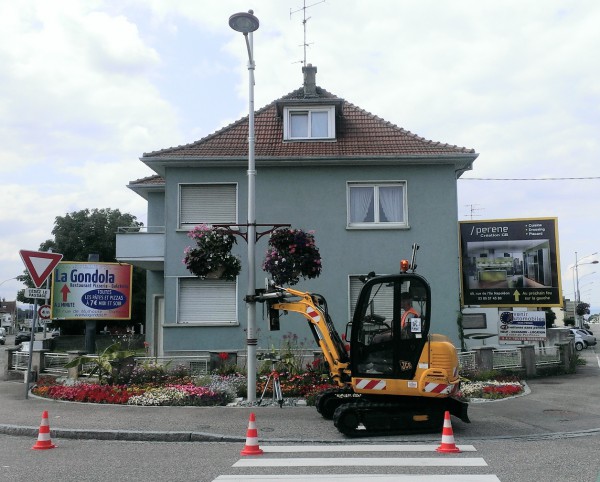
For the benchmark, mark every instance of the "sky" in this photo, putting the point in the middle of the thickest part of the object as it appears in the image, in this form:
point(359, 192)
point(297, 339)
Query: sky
point(87, 87)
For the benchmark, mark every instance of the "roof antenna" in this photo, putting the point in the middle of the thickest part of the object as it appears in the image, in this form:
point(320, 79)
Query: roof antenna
point(305, 44)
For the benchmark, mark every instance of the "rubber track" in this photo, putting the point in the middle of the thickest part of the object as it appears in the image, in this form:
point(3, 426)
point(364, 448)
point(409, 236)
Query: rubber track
point(391, 415)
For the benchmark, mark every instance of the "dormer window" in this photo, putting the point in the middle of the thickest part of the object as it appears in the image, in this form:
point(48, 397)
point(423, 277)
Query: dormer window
point(308, 123)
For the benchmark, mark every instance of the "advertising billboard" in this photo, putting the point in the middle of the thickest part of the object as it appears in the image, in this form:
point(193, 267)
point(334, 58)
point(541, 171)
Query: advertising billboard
point(522, 326)
point(82, 291)
point(510, 262)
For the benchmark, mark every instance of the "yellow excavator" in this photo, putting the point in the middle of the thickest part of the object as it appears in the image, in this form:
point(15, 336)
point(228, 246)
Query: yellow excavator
point(394, 377)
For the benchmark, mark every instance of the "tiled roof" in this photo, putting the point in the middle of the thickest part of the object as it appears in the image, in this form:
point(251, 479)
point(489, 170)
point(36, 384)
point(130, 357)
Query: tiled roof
point(149, 181)
point(358, 133)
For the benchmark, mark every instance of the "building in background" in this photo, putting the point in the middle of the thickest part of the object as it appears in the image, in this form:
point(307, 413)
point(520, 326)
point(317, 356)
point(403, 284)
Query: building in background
point(367, 188)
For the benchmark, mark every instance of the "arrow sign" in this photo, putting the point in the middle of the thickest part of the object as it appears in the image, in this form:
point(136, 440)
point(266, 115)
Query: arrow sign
point(39, 264)
point(517, 295)
point(65, 291)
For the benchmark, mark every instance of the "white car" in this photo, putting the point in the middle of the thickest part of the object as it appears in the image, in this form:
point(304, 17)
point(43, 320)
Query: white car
point(580, 343)
point(589, 340)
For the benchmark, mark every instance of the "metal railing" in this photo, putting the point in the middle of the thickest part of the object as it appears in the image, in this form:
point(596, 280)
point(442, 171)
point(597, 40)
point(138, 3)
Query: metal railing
point(197, 365)
point(547, 355)
point(466, 361)
point(507, 359)
point(20, 360)
point(55, 362)
point(141, 229)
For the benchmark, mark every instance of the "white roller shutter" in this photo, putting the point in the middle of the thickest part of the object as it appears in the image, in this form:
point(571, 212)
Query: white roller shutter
point(207, 301)
point(382, 303)
point(207, 204)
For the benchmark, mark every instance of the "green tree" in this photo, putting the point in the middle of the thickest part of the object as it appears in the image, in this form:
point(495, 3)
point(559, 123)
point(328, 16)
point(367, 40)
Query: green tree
point(81, 233)
point(550, 317)
point(582, 309)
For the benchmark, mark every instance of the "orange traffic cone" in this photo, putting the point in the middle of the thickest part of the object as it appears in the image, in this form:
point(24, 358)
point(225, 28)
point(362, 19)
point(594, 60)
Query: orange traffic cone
point(251, 447)
point(447, 445)
point(43, 441)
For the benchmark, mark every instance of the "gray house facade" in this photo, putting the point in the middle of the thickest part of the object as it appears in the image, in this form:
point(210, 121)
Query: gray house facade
point(367, 188)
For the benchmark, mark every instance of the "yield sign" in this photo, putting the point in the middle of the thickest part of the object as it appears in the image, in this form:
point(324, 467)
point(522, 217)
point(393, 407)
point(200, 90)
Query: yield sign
point(39, 264)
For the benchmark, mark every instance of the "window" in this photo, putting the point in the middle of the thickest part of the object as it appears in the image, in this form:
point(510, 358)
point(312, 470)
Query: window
point(309, 123)
point(380, 205)
point(207, 204)
point(207, 302)
point(474, 321)
point(384, 301)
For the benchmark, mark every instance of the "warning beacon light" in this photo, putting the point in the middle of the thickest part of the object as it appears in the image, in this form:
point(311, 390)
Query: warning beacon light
point(404, 265)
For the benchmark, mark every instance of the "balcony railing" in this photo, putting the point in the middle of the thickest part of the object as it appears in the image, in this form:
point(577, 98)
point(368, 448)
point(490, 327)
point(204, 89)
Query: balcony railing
point(141, 246)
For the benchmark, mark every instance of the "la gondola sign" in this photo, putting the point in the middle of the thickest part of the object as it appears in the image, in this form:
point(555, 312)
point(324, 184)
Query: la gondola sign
point(91, 291)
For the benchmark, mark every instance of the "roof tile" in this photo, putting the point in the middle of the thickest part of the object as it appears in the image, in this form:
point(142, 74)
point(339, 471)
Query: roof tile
point(358, 134)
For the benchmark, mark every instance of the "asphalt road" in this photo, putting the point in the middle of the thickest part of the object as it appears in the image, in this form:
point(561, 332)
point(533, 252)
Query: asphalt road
point(551, 433)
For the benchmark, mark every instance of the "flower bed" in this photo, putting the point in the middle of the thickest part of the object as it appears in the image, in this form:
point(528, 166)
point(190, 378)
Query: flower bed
point(490, 389)
point(153, 386)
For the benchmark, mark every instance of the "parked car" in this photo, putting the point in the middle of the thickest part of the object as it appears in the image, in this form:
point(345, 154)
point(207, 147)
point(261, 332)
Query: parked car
point(588, 340)
point(580, 344)
point(588, 337)
point(22, 336)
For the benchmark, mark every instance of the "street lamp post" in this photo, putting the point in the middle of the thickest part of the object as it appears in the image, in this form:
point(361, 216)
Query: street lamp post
point(577, 296)
point(247, 23)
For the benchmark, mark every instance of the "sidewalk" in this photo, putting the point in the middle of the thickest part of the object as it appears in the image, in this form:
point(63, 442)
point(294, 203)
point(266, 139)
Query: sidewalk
point(556, 405)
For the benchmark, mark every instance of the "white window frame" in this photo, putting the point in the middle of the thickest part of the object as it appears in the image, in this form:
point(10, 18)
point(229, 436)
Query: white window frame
point(221, 308)
point(287, 122)
point(218, 211)
point(376, 224)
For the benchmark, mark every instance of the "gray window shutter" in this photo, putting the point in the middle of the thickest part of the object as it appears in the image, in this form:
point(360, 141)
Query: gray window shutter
point(383, 304)
point(207, 204)
point(207, 301)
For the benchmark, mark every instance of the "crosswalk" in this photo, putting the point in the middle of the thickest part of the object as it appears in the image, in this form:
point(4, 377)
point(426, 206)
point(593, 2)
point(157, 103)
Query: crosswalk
point(277, 458)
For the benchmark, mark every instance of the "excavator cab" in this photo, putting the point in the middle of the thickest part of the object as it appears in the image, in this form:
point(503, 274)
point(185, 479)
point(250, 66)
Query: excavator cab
point(390, 326)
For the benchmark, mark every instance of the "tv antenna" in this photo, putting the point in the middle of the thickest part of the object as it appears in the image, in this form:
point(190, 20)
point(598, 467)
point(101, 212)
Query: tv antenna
point(473, 209)
point(303, 8)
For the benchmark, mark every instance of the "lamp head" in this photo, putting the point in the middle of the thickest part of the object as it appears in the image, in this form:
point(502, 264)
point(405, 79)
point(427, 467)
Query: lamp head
point(244, 22)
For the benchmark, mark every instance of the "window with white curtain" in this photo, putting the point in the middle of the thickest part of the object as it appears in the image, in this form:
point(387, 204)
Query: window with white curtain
point(377, 205)
point(207, 302)
point(309, 123)
point(207, 204)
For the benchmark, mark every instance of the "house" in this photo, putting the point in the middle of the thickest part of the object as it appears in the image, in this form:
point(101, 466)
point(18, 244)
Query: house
point(368, 188)
point(8, 315)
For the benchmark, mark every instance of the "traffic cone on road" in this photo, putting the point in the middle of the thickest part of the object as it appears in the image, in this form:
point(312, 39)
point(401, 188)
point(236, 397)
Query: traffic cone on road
point(447, 445)
point(43, 441)
point(251, 447)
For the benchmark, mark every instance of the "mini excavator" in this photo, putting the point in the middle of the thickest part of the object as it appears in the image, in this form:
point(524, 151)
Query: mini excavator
point(395, 377)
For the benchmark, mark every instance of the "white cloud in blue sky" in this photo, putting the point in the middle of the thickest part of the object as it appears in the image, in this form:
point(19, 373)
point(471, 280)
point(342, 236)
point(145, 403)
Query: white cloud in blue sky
point(87, 87)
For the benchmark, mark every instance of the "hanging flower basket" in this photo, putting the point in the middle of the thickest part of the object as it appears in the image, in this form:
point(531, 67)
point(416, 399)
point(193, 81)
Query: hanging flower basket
point(292, 254)
point(211, 258)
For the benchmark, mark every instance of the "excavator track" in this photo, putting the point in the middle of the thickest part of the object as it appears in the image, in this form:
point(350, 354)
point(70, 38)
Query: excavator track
point(398, 417)
point(329, 400)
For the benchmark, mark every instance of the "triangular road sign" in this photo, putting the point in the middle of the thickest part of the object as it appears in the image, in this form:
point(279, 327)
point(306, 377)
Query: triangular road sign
point(39, 264)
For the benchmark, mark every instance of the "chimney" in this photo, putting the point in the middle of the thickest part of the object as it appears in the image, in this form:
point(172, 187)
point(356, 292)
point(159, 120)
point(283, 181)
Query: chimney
point(310, 82)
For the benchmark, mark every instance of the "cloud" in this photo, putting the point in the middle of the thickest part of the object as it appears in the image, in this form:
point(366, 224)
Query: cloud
point(89, 86)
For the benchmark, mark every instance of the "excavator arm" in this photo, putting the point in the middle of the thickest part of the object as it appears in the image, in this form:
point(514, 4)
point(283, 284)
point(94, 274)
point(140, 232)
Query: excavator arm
point(314, 308)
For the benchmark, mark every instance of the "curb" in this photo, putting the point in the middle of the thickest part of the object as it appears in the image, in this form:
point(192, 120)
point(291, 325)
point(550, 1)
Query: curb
point(121, 435)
